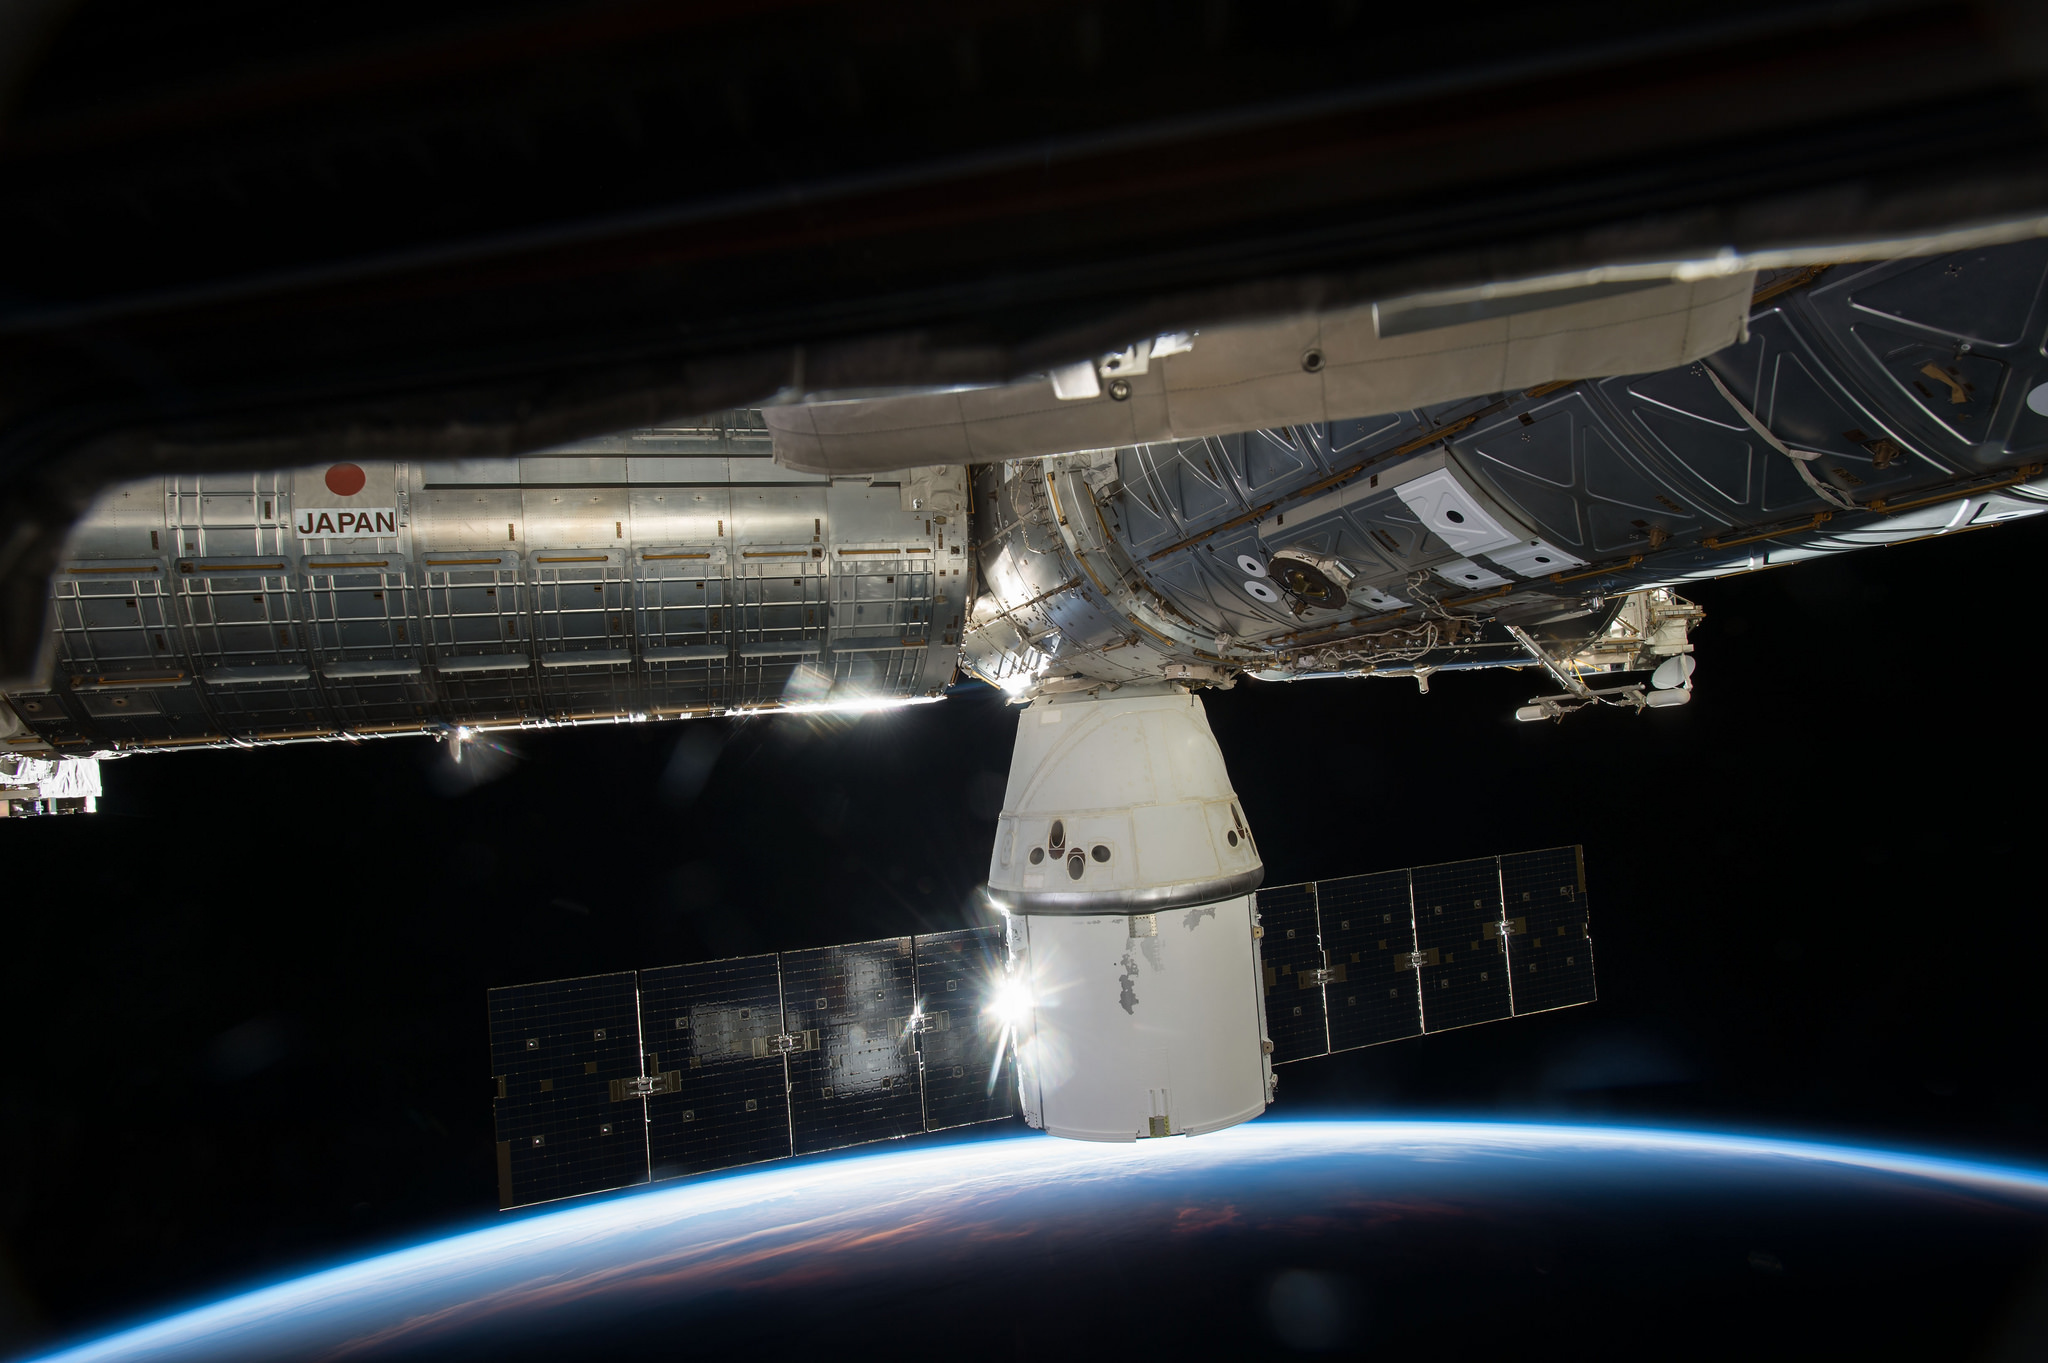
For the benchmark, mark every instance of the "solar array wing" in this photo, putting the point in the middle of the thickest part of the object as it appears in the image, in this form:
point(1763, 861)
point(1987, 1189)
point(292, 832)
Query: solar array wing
point(607, 1079)
point(1291, 956)
point(855, 1077)
point(1549, 944)
point(719, 1093)
point(967, 1066)
point(562, 1051)
point(1369, 932)
point(691, 1068)
point(1457, 937)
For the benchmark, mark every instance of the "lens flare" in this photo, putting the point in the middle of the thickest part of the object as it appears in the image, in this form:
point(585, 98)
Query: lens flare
point(1011, 1005)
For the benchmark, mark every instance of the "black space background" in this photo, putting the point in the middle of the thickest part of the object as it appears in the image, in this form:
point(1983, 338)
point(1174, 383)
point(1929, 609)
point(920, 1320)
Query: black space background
point(244, 1006)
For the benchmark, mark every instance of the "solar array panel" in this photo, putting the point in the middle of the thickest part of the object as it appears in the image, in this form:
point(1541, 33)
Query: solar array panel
point(855, 1078)
point(1291, 957)
point(965, 1064)
point(612, 1080)
point(721, 1100)
point(1403, 953)
point(1553, 951)
point(1368, 926)
point(1464, 975)
point(561, 1051)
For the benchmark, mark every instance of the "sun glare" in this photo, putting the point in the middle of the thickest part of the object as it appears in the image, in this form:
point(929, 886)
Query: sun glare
point(1011, 1004)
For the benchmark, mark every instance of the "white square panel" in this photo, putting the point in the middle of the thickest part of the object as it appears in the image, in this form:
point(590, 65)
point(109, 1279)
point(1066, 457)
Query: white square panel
point(1453, 514)
point(1534, 558)
point(1463, 572)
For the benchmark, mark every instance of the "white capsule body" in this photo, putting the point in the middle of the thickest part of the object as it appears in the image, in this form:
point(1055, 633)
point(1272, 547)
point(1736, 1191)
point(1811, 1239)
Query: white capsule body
point(1124, 865)
point(1152, 1027)
point(1134, 784)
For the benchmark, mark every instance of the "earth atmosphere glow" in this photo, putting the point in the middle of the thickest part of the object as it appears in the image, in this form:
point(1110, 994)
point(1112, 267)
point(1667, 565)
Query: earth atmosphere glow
point(816, 1190)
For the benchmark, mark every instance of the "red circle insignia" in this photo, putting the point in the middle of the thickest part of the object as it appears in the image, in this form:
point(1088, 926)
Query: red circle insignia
point(346, 480)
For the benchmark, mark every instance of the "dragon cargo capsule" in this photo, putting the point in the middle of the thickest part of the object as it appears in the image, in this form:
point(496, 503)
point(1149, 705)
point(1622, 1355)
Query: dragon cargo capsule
point(1125, 867)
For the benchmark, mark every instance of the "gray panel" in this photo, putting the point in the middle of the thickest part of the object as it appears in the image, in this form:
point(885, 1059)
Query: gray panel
point(1261, 459)
point(371, 667)
point(588, 657)
point(560, 1051)
point(686, 653)
point(721, 1092)
point(1404, 318)
point(485, 662)
point(684, 614)
point(860, 1083)
point(363, 637)
point(1457, 934)
point(253, 676)
point(1984, 296)
point(968, 1069)
point(1550, 949)
point(117, 704)
point(1291, 956)
point(1369, 931)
